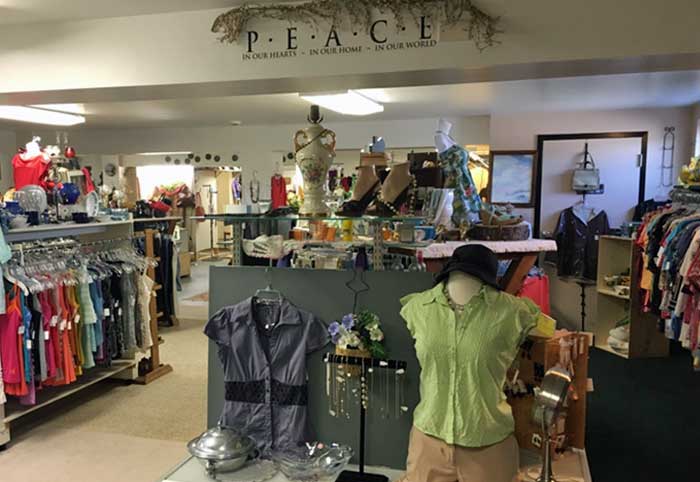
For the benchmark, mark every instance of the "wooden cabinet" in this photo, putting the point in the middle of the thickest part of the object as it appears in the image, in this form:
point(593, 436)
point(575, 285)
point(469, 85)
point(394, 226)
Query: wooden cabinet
point(617, 255)
point(538, 356)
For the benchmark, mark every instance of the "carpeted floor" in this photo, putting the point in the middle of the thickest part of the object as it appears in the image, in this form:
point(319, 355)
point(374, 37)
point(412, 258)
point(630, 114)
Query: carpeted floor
point(200, 297)
point(115, 431)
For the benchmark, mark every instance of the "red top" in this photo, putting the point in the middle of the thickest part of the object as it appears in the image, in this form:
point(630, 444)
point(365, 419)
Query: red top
point(279, 192)
point(9, 349)
point(30, 171)
point(536, 288)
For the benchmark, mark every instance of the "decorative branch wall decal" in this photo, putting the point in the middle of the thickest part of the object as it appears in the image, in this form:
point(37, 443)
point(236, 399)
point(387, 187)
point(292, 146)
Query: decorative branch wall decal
point(481, 27)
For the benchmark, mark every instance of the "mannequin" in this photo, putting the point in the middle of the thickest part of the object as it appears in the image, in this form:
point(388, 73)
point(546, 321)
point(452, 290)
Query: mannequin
point(443, 140)
point(462, 287)
point(454, 159)
point(463, 428)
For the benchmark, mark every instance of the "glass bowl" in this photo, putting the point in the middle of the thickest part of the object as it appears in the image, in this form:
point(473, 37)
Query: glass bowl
point(32, 198)
point(312, 462)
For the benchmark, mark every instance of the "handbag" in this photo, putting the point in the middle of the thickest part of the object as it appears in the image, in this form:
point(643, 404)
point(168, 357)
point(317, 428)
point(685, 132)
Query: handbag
point(586, 179)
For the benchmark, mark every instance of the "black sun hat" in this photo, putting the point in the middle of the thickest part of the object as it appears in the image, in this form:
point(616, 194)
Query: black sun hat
point(474, 259)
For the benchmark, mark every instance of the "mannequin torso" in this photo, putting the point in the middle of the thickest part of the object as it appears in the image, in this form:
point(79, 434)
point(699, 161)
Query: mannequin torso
point(443, 140)
point(462, 287)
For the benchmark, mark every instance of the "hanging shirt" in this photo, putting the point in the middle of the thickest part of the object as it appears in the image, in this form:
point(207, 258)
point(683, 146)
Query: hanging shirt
point(265, 369)
point(33, 170)
point(10, 324)
point(279, 192)
point(464, 361)
point(536, 288)
point(144, 307)
point(577, 243)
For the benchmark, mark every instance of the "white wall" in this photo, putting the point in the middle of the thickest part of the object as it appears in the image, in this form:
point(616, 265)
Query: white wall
point(179, 48)
point(695, 129)
point(520, 131)
point(8, 148)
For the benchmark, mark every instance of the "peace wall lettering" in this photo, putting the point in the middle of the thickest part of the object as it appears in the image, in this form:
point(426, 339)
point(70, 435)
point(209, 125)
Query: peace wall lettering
point(381, 37)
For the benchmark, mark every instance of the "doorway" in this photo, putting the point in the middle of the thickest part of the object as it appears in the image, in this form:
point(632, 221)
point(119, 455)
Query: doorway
point(616, 154)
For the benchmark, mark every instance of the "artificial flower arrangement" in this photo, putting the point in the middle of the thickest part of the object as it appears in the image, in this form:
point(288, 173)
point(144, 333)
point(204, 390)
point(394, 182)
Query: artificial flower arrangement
point(359, 332)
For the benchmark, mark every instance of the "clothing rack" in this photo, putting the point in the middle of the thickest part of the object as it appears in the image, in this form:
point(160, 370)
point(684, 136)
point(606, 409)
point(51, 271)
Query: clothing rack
point(48, 239)
point(158, 369)
point(364, 364)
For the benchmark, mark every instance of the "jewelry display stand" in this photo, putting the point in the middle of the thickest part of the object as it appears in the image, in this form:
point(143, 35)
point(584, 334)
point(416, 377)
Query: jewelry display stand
point(367, 367)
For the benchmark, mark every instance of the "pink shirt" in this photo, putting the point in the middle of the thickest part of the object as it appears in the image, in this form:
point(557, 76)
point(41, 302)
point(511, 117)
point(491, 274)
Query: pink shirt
point(9, 354)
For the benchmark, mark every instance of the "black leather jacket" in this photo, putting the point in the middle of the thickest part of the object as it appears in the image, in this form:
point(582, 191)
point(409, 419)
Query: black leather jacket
point(577, 244)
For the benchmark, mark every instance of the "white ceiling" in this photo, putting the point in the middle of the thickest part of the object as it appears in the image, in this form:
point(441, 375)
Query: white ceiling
point(667, 89)
point(31, 11)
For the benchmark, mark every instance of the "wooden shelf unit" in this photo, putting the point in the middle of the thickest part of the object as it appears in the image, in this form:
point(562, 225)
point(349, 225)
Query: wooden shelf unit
point(159, 369)
point(616, 255)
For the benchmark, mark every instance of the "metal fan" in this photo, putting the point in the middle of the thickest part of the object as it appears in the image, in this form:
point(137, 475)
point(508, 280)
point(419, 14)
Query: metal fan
point(549, 404)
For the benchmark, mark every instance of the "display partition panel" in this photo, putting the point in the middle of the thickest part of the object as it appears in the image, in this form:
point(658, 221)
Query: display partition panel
point(326, 294)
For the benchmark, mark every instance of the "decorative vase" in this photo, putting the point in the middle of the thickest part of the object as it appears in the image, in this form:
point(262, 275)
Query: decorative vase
point(315, 152)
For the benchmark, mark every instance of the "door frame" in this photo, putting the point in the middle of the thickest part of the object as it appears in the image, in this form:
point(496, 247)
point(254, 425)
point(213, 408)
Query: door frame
point(541, 139)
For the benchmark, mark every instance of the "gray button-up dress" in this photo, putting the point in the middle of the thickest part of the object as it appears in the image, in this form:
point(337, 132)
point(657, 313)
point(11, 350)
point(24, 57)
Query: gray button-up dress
point(263, 351)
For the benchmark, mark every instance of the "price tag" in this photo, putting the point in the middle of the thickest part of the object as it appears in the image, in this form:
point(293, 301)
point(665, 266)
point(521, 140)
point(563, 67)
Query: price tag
point(62, 325)
point(76, 320)
point(107, 312)
point(47, 336)
point(20, 330)
point(29, 344)
point(70, 326)
point(54, 320)
point(119, 312)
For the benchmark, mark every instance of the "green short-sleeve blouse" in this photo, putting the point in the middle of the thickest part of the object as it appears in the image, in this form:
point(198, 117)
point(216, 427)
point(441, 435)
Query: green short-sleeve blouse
point(464, 362)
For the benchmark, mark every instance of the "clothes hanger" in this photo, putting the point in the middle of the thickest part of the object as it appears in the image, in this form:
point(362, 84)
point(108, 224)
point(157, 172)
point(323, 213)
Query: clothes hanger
point(269, 295)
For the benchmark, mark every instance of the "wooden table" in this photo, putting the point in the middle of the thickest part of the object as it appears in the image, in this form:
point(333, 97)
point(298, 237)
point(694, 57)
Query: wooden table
point(523, 255)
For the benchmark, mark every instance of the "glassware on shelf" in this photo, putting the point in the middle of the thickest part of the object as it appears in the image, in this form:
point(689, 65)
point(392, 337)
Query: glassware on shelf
point(312, 462)
point(32, 198)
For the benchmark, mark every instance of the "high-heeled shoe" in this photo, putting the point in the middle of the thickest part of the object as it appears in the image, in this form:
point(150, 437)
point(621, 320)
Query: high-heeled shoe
point(389, 208)
point(492, 216)
point(355, 209)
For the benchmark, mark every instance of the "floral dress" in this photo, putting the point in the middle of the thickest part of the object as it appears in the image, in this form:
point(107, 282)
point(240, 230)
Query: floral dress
point(455, 165)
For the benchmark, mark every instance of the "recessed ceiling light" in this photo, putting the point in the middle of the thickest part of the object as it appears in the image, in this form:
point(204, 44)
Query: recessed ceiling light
point(236, 123)
point(348, 103)
point(39, 116)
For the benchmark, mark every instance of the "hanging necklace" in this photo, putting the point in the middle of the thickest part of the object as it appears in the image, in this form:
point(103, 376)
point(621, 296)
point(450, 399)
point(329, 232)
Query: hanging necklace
point(456, 307)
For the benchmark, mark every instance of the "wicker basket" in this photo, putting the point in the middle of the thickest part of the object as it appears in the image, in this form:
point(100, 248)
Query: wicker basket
point(352, 370)
point(519, 232)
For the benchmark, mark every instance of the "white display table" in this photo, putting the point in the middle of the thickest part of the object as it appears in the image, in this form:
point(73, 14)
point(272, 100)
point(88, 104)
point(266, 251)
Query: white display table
point(572, 467)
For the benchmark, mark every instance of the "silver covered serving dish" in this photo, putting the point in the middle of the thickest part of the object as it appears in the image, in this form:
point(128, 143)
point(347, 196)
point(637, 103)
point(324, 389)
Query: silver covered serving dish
point(222, 450)
point(312, 462)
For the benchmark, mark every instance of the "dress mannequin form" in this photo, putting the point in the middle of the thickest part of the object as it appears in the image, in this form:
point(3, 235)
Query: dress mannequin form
point(462, 287)
point(443, 140)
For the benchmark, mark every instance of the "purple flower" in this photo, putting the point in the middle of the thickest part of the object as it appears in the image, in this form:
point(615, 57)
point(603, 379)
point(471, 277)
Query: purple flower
point(335, 338)
point(334, 328)
point(348, 322)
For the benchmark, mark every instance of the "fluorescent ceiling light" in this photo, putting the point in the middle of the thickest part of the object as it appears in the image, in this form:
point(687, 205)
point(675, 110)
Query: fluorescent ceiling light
point(39, 116)
point(349, 103)
point(78, 109)
point(179, 153)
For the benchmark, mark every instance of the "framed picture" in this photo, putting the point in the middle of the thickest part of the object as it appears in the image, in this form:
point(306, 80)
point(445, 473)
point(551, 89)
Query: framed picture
point(512, 178)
